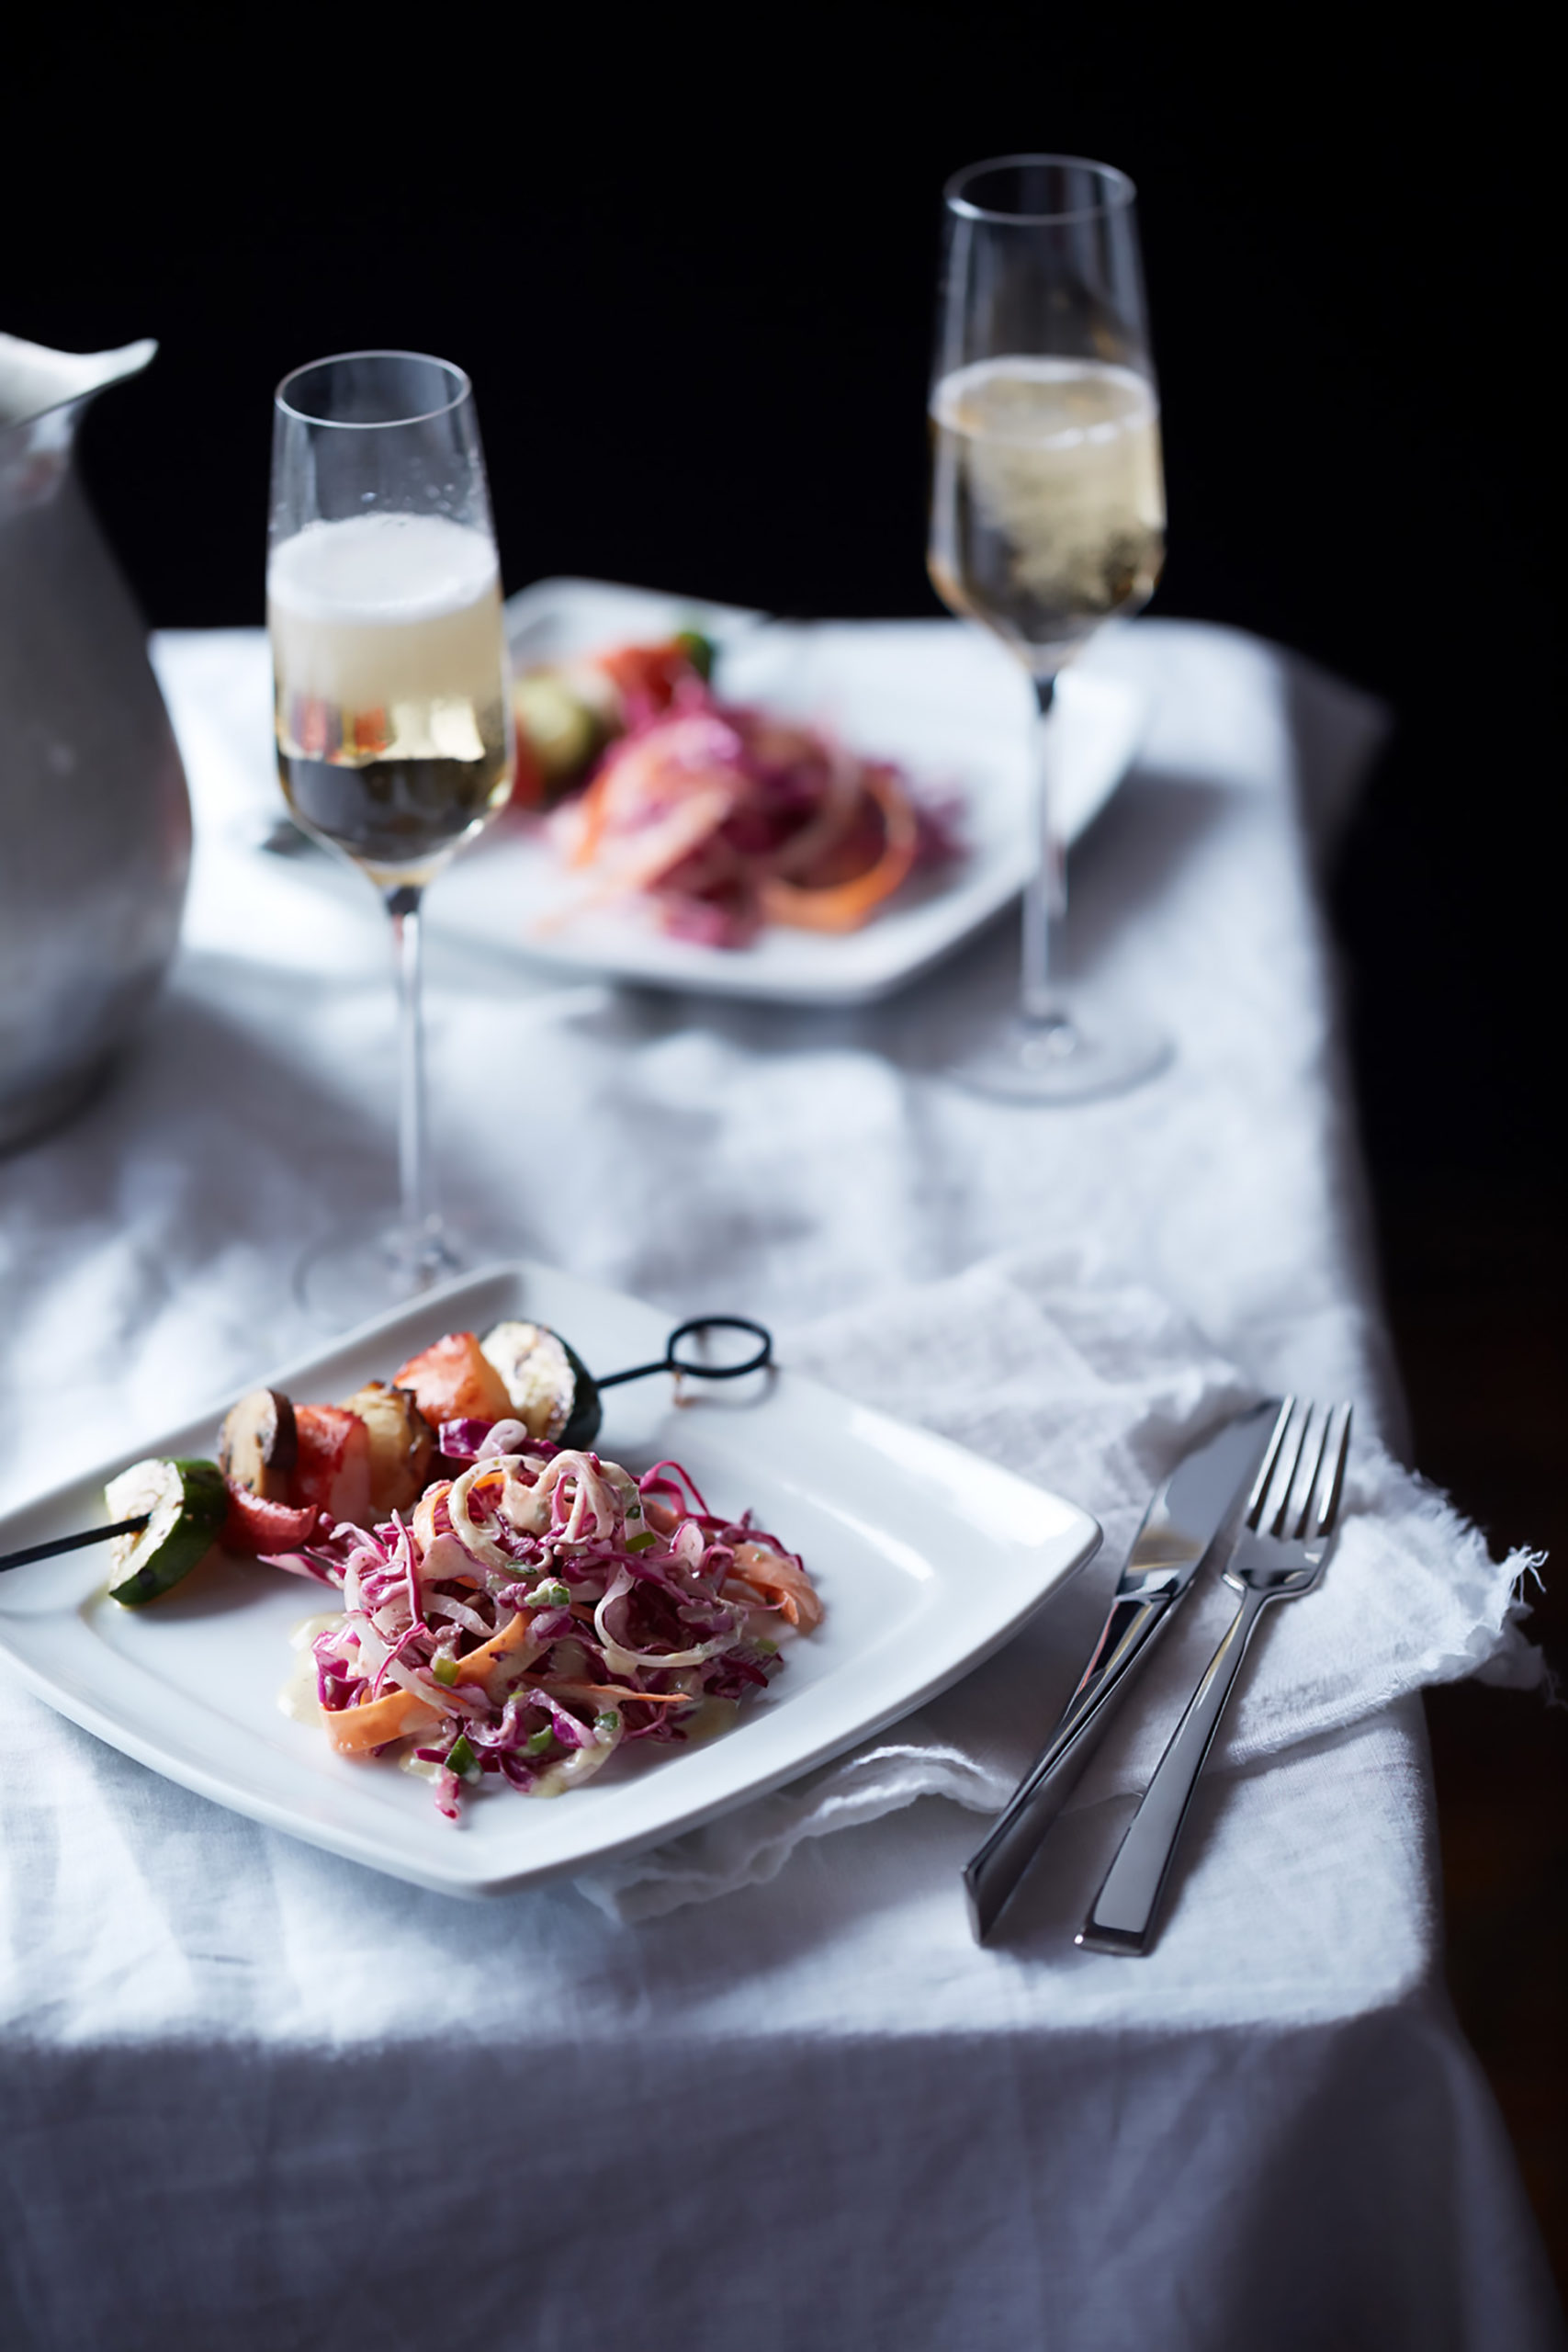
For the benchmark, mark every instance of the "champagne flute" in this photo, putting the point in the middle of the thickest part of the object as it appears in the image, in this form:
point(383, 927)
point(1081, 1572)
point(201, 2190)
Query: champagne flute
point(1048, 518)
point(394, 736)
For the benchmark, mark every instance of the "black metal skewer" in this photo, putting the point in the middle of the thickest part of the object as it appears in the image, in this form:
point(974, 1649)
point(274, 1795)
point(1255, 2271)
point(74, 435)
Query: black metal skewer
point(77, 1542)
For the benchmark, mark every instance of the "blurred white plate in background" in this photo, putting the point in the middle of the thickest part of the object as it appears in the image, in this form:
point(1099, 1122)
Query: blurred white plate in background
point(944, 702)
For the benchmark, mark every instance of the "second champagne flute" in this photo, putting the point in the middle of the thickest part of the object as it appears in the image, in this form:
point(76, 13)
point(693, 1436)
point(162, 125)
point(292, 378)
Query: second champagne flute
point(1048, 518)
point(394, 738)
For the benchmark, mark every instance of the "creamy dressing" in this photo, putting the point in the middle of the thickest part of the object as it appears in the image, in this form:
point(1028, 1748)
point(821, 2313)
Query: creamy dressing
point(297, 1699)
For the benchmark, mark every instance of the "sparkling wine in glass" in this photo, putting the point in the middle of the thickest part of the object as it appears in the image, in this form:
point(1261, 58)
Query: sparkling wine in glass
point(394, 742)
point(1048, 518)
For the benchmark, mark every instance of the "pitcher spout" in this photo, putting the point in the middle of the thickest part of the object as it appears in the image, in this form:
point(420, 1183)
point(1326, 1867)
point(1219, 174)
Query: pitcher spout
point(34, 380)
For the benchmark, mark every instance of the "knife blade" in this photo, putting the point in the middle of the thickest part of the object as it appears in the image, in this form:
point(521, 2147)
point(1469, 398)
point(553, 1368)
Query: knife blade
point(1188, 1512)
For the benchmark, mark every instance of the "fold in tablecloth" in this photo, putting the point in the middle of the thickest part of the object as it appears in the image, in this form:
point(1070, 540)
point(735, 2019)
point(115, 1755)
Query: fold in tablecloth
point(1097, 1388)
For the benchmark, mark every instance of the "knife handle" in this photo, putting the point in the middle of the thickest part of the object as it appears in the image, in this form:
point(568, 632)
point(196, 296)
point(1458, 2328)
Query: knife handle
point(1122, 1916)
point(994, 1870)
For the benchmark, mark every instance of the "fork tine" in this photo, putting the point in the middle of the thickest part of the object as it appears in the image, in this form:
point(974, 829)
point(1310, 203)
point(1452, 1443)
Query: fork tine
point(1266, 1467)
point(1309, 1488)
point(1327, 1495)
point(1283, 1484)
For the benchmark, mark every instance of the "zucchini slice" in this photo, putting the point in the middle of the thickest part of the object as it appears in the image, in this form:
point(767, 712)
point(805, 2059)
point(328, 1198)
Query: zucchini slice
point(553, 1393)
point(560, 727)
point(187, 1503)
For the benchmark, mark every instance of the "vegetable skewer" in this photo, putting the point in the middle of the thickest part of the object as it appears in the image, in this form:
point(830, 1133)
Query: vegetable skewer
point(580, 1404)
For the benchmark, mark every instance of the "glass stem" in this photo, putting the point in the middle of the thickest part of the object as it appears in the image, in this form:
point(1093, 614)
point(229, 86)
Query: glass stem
point(403, 907)
point(1046, 894)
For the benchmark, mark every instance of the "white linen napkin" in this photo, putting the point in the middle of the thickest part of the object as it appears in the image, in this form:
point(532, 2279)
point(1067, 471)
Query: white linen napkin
point(1096, 1389)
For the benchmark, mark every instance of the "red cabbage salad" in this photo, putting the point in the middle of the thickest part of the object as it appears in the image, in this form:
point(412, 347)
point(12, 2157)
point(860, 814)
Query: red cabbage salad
point(721, 817)
point(540, 1608)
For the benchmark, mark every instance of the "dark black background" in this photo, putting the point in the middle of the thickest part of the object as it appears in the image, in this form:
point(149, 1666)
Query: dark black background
point(689, 264)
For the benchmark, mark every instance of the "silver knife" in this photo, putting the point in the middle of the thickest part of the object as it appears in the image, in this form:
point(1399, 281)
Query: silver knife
point(1179, 1527)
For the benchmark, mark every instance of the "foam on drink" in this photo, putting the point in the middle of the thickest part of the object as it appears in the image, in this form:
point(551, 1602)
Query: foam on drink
point(1048, 504)
point(385, 607)
point(390, 693)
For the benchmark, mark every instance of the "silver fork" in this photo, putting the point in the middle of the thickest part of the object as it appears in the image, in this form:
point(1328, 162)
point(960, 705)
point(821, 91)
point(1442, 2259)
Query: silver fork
point(1280, 1555)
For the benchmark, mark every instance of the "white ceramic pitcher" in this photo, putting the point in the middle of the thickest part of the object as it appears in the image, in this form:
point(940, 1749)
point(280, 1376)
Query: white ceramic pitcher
point(95, 821)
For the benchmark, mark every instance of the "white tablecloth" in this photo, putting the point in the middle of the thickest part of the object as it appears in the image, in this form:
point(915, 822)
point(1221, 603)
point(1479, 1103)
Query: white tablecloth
point(255, 2095)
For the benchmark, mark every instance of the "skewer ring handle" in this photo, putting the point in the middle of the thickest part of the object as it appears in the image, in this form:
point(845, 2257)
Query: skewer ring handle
point(761, 1356)
point(673, 1361)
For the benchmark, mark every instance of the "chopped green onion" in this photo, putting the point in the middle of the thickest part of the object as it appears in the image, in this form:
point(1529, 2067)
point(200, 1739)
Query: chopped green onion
point(551, 1594)
point(444, 1668)
point(460, 1758)
point(698, 651)
point(641, 1543)
point(538, 1741)
point(607, 1720)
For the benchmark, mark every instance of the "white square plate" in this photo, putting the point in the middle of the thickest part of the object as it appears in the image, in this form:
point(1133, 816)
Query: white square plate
point(943, 701)
point(927, 1559)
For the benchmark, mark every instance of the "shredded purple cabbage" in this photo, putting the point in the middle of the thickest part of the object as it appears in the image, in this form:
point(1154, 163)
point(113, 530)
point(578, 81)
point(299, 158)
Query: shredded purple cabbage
point(548, 1609)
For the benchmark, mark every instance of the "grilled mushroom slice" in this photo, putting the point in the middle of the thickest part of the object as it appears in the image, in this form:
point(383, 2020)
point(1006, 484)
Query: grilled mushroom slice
point(553, 1393)
point(260, 1444)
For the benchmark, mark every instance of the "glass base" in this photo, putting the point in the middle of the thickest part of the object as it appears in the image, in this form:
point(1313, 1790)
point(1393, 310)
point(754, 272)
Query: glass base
point(1077, 1053)
point(350, 1275)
